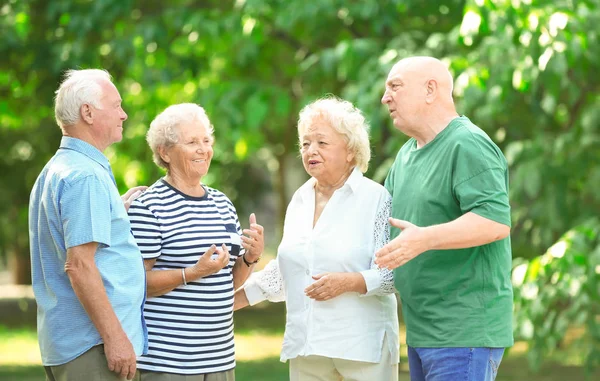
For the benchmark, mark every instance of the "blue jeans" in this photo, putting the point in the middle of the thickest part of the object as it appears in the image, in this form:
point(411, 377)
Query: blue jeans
point(454, 364)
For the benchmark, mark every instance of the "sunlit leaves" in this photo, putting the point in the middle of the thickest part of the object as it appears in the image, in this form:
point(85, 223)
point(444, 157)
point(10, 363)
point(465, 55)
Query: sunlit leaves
point(526, 74)
point(559, 290)
point(22, 25)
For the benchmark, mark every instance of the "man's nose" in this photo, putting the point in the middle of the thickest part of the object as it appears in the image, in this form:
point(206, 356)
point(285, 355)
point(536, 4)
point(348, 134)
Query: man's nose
point(386, 98)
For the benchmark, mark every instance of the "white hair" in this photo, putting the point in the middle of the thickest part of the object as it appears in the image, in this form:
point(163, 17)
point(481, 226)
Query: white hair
point(164, 129)
point(344, 118)
point(78, 87)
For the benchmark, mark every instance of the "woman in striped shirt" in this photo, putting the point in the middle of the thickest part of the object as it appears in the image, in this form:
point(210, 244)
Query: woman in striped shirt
point(194, 253)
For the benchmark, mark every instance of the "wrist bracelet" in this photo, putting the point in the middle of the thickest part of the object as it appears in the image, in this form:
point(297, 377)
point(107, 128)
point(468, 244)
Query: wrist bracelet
point(249, 263)
point(183, 276)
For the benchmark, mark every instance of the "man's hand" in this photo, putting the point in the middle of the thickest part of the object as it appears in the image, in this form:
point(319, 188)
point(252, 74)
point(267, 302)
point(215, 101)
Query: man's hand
point(132, 194)
point(254, 240)
point(409, 243)
point(120, 356)
point(328, 286)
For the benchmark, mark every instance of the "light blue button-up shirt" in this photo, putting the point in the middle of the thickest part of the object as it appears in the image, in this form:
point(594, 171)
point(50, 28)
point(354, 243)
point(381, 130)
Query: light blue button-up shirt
point(73, 202)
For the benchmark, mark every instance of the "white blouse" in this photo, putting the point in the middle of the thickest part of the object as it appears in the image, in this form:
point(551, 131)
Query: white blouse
point(351, 228)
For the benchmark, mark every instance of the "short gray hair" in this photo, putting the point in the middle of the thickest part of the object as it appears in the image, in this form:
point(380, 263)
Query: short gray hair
point(346, 119)
point(164, 129)
point(77, 88)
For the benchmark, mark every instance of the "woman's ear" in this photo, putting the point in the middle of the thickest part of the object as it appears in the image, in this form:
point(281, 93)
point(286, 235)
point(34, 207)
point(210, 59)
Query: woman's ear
point(350, 157)
point(164, 154)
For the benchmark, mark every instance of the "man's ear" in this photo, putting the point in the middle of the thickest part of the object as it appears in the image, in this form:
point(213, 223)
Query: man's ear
point(87, 114)
point(431, 88)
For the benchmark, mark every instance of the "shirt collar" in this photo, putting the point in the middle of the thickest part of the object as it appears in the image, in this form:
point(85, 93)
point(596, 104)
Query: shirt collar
point(354, 180)
point(85, 148)
point(352, 183)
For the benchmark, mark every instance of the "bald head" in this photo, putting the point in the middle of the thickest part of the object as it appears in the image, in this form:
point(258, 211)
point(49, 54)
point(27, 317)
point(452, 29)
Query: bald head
point(423, 69)
point(418, 94)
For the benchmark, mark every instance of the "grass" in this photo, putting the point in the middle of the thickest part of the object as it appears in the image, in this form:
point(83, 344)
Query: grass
point(18, 347)
point(258, 342)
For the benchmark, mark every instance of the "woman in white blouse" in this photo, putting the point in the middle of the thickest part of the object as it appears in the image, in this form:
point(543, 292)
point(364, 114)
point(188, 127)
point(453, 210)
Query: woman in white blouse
point(342, 318)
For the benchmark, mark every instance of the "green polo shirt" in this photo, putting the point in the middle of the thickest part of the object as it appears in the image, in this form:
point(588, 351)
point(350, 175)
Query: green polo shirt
point(454, 298)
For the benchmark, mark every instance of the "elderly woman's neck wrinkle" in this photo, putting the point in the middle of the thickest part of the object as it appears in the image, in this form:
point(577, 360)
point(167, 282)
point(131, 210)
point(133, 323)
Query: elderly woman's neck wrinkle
point(328, 188)
point(188, 185)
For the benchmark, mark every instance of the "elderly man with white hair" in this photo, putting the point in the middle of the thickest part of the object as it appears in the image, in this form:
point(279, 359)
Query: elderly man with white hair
point(87, 272)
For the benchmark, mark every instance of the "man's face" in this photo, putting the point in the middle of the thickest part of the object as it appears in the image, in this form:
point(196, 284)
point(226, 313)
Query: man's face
point(403, 96)
point(109, 116)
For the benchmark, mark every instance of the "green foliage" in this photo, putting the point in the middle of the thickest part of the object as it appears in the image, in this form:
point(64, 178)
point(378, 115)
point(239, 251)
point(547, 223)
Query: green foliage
point(525, 71)
point(560, 290)
point(528, 82)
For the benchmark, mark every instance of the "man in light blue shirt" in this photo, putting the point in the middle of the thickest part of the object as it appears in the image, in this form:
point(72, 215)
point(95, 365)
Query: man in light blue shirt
point(87, 271)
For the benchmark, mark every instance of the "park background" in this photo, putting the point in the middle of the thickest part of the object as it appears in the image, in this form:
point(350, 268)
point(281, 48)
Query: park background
point(526, 71)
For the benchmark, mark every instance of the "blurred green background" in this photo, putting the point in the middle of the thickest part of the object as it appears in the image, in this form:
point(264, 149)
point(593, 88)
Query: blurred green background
point(525, 71)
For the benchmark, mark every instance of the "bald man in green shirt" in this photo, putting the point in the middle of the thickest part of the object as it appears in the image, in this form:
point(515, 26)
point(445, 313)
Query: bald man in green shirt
point(450, 230)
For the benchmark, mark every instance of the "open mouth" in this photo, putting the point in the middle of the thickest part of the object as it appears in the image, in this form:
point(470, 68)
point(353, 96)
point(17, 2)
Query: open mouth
point(199, 161)
point(313, 162)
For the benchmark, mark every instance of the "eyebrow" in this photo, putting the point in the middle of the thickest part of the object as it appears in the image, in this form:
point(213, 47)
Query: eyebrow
point(317, 135)
point(393, 80)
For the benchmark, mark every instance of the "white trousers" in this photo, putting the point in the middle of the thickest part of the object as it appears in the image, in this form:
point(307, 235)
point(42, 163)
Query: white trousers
point(319, 368)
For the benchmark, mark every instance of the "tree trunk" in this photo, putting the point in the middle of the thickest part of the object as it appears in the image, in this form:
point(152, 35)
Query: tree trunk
point(20, 264)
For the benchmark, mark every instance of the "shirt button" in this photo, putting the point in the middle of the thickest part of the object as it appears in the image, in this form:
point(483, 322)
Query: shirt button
point(307, 272)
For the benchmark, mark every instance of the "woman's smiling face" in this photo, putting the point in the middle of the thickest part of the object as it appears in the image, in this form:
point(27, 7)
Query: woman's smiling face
point(190, 157)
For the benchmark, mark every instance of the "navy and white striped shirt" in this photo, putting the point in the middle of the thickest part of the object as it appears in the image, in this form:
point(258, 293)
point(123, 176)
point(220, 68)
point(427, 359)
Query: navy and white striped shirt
point(190, 329)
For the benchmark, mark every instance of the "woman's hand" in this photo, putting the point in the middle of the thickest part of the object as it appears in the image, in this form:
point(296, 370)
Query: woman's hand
point(254, 241)
point(207, 265)
point(328, 286)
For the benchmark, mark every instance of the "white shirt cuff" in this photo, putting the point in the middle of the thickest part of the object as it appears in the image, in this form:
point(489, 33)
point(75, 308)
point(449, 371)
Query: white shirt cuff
point(254, 293)
point(372, 281)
